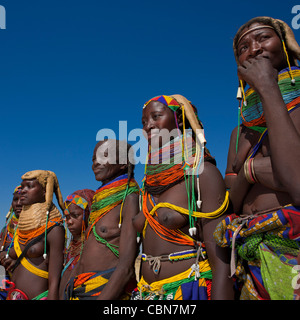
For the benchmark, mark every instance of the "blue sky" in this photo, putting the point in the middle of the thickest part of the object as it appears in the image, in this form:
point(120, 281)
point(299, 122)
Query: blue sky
point(71, 68)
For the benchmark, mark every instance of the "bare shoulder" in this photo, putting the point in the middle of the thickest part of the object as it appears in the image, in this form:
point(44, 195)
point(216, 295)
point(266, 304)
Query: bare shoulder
point(212, 188)
point(211, 178)
point(56, 234)
point(132, 198)
point(131, 204)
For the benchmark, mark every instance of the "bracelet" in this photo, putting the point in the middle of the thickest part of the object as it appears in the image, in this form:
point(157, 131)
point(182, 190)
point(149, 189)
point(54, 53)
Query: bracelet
point(247, 171)
point(252, 171)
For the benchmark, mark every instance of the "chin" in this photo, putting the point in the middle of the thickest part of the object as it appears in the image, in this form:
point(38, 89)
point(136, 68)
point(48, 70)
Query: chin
point(98, 177)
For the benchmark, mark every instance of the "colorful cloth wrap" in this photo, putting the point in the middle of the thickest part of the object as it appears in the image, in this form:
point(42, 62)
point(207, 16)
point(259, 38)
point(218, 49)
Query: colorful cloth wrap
point(264, 252)
point(87, 286)
point(183, 286)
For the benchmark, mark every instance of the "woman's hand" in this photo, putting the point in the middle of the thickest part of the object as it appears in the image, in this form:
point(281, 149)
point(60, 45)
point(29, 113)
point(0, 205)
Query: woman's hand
point(258, 72)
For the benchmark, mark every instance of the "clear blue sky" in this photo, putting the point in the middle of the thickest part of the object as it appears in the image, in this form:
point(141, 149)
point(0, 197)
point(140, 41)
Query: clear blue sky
point(71, 68)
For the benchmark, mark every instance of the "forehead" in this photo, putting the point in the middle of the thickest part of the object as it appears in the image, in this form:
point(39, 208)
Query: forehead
point(16, 196)
point(107, 152)
point(153, 106)
point(254, 29)
point(30, 182)
point(108, 144)
point(72, 207)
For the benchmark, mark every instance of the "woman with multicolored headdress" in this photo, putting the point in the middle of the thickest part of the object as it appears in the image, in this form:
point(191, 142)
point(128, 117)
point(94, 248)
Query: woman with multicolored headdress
point(38, 240)
point(183, 199)
point(77, 211)
point(263, 172)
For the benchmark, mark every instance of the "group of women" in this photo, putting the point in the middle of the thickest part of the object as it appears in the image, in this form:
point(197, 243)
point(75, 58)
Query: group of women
point(184, 233)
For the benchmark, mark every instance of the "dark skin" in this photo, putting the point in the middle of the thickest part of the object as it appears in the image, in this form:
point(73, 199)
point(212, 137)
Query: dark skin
point(7, 262)
point(276, 164)
point(32, 192)
point(74, 224)
point(95, 255)
point(158, 116)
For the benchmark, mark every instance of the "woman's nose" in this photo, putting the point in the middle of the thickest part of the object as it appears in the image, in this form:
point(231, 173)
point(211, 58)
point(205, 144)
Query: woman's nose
point(148, 126)
point(255, 49)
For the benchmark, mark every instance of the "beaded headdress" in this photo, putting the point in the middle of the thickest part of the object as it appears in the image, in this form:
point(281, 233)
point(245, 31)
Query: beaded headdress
point(47, 180)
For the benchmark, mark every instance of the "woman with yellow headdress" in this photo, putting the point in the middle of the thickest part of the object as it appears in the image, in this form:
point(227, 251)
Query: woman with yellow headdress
point(38, 240)
point(183, 198)
point(263, 171)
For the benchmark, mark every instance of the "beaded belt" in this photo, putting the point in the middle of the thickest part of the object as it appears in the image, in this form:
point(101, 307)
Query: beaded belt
point(176, 256)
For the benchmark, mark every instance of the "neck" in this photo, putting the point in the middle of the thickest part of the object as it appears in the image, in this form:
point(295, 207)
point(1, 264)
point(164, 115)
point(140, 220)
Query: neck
point(76, 237)
point(111, 179)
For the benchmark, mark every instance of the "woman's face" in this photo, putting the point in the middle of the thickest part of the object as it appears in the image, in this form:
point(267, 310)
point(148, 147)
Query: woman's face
point(31, 192)
point(156, 117)
point(74, 219)
point(16, 204)
point(264, 42)
point(105, 162)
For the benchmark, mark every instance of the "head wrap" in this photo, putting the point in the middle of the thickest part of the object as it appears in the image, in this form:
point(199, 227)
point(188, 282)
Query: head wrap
point(48, 180)
point(81, 198)
point(283, 31)
point(17, 189)
point(168, 101)
point(176, 102)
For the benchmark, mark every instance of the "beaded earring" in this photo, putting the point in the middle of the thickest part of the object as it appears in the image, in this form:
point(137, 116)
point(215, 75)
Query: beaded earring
point(240, 97)
point(293, 81)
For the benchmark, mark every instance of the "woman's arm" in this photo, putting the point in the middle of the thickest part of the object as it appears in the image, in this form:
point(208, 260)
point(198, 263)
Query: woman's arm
point(127, 252)
point(283, 132)
point(55, 241)
point(213, 194)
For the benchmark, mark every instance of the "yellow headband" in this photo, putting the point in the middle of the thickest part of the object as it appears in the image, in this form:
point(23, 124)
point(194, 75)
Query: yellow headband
point(252, 29)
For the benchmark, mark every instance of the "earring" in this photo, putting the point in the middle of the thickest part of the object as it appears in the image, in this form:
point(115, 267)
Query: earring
point(293, 81)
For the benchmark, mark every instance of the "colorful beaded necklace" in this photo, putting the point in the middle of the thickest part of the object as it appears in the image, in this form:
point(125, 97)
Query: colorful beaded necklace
point(252, 111)
point(109, 196)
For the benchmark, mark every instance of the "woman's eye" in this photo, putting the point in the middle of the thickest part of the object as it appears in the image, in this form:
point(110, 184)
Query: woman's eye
point(264, 37)
point(242, 49)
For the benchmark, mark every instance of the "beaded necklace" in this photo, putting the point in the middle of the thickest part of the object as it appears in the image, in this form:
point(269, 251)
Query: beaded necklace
point(251, 112)
point(72, 254)
point(185, 158)
point(166, 166)
point(34, 221)
point(109, 196)
point(178, 160)
point(9, 228)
